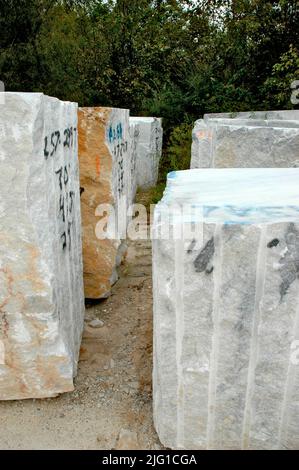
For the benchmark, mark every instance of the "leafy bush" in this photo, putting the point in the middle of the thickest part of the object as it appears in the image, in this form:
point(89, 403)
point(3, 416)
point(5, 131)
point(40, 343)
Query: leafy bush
point(177, 153)
point(278, 86)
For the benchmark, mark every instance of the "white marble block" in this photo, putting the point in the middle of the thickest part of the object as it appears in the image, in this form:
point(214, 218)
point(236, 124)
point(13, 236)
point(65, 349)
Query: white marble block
point(134, 140)
point(226, 310)
point(288, 115)
point(41, 275)
point(149, 150)
point(243, 141)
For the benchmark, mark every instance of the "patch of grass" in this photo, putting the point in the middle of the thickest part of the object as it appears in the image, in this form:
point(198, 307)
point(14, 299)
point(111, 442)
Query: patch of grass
point(146, 197)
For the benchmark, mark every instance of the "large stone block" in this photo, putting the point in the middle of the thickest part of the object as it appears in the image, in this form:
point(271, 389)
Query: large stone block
point(105, 178)
point(134, 139)
point(288, 115)
point(245, 142)
point(149, 150)
point(226, 310)
point(41, 279)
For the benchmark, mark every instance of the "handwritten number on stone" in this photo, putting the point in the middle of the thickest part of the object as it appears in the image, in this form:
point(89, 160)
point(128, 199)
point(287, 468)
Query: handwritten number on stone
point(120, 146)
point(69, 233)
point(72, 195)
point(63, 238)
point(46, 152)
point(59, 172)
point(55, 140)
point(66, 176)
point(69, 138)
point(61, 207)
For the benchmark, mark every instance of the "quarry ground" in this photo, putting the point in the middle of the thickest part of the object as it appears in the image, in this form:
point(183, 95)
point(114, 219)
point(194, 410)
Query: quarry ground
point(111, 406)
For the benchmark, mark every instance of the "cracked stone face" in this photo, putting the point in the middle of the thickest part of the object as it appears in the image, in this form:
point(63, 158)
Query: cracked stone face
point(226, 310)
point(41, 288)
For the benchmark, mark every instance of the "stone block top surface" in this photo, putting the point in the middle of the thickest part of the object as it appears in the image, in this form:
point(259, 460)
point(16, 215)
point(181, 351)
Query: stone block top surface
point(237, 195)
point(290, 114)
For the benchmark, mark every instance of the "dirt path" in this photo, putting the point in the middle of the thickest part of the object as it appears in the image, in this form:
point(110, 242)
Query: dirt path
point(111, 406)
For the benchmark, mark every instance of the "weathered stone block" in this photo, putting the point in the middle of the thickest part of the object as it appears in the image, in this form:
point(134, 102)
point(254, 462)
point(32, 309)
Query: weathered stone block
point(288, 115)
point(149, 150)
point(105, 178)
point(41, 288)
point(226, 310)
point(134, 139)
point(245, 142)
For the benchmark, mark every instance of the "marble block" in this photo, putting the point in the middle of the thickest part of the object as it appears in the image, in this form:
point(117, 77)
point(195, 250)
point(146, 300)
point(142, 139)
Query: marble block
point(226, 310)
point(134, 139)
point(105, 178)
point(149, 150)
point(244, 142)
point(41, 274)
point(288, 115)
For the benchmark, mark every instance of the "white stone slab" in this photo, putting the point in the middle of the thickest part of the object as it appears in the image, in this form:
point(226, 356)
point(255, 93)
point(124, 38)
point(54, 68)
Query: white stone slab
point(134, 140)
point(252, 143)
point(226, 310)
point(288, 115)
point(41, 284)
point(149, 150)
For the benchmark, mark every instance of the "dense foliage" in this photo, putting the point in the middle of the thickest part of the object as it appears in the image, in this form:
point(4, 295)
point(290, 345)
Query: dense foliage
point(176, 59)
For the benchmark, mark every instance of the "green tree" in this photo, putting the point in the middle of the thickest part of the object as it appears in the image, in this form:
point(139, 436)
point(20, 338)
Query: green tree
point(278, 85)
point(21, 66)
point(171, 58)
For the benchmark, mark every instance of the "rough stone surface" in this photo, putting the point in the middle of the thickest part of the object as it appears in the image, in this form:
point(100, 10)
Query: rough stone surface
point(41, 288)
point(134, 139)
point(105, 177)
point(104, 401)
point(245, 142)
point(288, 115)
point(226, 316)
point(96, 323)
point(149, 150)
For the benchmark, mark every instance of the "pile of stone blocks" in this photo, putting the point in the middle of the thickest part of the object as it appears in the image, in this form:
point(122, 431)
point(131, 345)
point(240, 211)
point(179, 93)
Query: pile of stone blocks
point(41, 286)
point(260, 139)
point(226, 310)
point(149, 150)
point(105, 179)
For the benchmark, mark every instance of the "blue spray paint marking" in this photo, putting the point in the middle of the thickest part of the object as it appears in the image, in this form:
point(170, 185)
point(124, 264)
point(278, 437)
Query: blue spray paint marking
point(119, 131)
point(115, 133)
point(110, 134)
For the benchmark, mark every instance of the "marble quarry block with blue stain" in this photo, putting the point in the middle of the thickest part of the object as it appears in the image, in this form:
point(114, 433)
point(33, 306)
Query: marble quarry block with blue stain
point(266, 140)
point(149, 150)
point(41, 275)
point(226, 309)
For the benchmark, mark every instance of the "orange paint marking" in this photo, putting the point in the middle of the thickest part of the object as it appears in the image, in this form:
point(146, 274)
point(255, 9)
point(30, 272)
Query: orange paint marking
point(98, 165)
point(204, 134)
point(201, 134)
